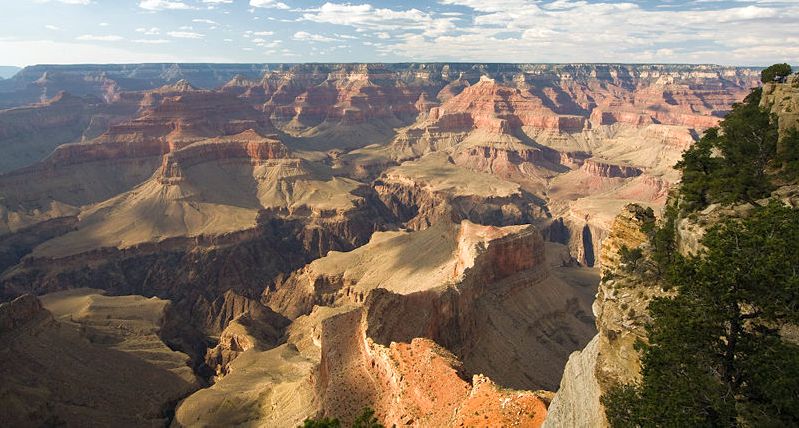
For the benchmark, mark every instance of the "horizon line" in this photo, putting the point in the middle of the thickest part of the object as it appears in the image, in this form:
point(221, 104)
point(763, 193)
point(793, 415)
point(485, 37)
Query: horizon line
point(378, 63)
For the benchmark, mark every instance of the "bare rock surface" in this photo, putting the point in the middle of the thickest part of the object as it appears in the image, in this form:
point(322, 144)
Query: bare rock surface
point(334, 236)
point(85, 359)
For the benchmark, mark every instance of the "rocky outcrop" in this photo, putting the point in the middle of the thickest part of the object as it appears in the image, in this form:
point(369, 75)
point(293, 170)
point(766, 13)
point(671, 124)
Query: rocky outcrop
point(621, 315)
point(577, 402)
point(416, 383)
point(20, 311)
point(80, 358)
point(605, 169)
point(422, 192)
point(625, 232)
point(783, 100)
point(447, 361)
point(458, 296)
point(252, 327)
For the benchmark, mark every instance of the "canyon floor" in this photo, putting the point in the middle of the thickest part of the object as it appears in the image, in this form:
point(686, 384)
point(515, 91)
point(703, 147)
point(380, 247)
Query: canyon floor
point(255, 245)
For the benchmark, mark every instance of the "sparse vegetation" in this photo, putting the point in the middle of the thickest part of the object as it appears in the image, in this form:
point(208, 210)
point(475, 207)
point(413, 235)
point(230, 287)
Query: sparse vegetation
point(730, 163)
point(366, 419)
point(775, 72)
point(321, 423)
point(715, 354)
point(630, 257)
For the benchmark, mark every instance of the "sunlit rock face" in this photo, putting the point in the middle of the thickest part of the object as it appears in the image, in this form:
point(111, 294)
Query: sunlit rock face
point(320, 229)
point(621, 313)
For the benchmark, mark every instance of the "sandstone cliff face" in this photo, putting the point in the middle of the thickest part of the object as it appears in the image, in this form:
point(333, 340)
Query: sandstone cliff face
point(626, 231)
point(609, 170)
point(621, 314)
point(783, 100)
point(420, 345)
point(372, 354)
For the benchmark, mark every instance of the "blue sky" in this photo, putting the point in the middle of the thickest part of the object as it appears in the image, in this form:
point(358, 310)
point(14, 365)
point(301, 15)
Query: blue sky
point(732, 32)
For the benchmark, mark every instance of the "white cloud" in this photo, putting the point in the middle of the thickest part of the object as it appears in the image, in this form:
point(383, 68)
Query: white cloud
point(205, 21)
point(104, 24)
point(185, 34)
point(263, 33)
point(163, 5)
point(270, 4)
point(149, 31)
point(308, 37)
point(151, 41)
point(582, 31)
point(95, 38)
point(367, 17)
point(52, 27)
point(218, 1)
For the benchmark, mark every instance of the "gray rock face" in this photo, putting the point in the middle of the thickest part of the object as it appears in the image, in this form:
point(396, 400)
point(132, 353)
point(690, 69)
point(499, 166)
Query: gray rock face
point(577, 402)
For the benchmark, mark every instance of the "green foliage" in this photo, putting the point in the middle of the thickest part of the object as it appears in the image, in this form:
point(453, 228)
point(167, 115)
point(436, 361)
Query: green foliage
point(321, 423)
point(699, 169)
point(366, 419)
point(729, 164)
point(788, 154)
point(774, 71)
point(715, 355)
point(630, 257)
point(662, 240)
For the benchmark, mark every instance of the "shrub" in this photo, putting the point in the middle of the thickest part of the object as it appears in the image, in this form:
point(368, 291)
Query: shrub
point(775, 71)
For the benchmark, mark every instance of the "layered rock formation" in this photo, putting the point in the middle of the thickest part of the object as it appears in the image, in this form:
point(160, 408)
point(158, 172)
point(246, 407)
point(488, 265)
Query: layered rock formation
point(783, 100)
point(81, 358)
point(620, 308)
point(253, 208)
point(623, 296)
point(370, 325)
point(29, 134)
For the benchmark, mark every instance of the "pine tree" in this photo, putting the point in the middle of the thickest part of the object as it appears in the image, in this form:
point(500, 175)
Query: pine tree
point(729, 164)
point(715, 355)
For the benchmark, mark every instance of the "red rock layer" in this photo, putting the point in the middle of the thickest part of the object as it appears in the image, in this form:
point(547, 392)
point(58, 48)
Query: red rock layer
point(416, 383)
point(497, 108)
point(247, 145)
point(609, 170)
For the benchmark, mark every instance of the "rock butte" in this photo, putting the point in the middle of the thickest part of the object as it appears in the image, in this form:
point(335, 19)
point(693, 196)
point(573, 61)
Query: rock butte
point(263, 243)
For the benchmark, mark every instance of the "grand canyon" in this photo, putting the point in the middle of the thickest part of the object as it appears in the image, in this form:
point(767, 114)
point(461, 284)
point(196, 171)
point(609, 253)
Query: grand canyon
point(259, 244)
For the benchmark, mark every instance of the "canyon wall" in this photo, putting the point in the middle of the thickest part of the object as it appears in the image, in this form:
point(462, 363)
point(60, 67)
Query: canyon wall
point(398, 209)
